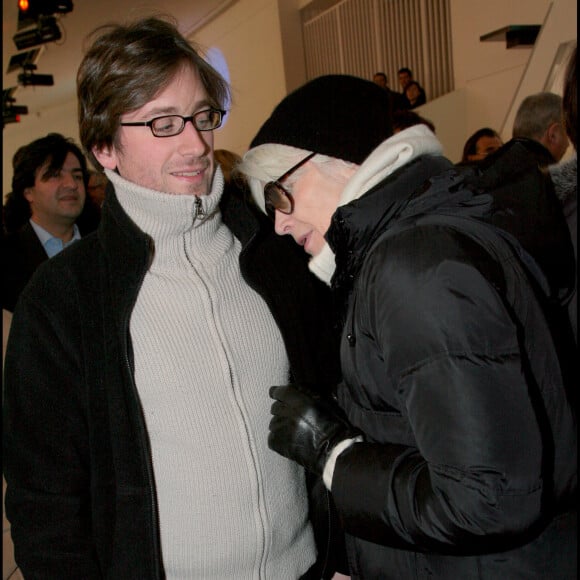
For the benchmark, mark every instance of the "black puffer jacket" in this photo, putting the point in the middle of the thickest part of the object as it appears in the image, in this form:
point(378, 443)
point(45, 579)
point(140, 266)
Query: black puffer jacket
point(468, 469)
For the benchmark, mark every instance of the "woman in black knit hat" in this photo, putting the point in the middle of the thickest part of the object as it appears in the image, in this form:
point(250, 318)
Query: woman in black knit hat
point(445, 451)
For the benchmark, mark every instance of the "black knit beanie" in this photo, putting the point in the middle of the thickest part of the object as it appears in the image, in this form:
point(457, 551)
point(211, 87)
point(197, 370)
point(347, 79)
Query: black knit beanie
point(336, 115)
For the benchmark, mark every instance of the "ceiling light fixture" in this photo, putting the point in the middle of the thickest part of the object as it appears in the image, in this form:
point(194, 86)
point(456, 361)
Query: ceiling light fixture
point(22, 59)
point(30, 79)
point(29, 11)
point(46, 31)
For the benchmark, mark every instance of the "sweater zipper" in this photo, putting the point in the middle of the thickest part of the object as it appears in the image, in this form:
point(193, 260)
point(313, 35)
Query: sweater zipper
point(199, 211)
point(230, 372)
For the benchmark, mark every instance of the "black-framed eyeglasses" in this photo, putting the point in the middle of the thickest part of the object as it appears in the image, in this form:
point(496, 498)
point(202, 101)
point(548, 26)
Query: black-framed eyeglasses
point(276, 197)
point(170, 125)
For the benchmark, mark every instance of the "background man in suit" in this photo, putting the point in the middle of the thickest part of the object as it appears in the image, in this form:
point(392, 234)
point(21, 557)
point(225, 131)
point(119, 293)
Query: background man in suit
point(43, 211)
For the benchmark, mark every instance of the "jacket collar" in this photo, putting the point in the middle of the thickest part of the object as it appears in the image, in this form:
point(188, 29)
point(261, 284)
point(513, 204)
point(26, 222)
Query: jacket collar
point(511, 192)
point(386, 160)
point(240, 213)
point(127, 250)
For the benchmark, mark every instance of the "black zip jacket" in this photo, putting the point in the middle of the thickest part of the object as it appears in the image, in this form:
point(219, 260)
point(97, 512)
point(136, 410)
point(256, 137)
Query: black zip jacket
point(22, 253)
point(81, 497)
point(455, 355)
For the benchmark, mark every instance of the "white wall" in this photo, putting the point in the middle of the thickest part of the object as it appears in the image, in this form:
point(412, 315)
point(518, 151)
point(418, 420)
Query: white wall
point(470, 19)
point(249, 36)
point(448, 113)
point(560, 28)
point(491, 80)
point(487, 73)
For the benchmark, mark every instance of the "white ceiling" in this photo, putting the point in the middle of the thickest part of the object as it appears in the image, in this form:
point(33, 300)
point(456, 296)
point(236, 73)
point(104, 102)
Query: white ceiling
point(62, 58)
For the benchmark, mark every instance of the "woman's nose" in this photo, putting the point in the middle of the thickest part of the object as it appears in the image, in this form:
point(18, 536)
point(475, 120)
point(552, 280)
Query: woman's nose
point(282, 223)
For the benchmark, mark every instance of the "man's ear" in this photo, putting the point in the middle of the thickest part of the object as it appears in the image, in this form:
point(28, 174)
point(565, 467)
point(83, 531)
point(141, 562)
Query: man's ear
point(552, 132)
point(106, 156)
point(27, 194)
point(556, 134)
point(556, 140)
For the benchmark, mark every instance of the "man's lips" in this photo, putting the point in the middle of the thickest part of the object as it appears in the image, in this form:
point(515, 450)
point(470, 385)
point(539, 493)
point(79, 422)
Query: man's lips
point(188, 172)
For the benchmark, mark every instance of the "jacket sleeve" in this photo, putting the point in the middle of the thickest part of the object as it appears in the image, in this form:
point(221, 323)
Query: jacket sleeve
point(472, 477)
point(45, 446)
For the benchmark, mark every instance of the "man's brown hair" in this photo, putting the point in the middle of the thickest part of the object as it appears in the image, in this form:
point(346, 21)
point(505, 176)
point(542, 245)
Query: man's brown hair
point(125, 68)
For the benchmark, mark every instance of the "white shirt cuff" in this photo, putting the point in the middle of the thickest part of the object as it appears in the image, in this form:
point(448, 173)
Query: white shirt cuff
point(328, 472)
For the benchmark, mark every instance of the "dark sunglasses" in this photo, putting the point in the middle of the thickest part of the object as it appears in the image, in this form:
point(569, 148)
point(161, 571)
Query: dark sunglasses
point(278, 198)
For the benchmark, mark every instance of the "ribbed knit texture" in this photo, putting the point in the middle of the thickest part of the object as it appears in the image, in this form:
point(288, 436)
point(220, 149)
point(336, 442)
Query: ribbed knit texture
point(206, 352)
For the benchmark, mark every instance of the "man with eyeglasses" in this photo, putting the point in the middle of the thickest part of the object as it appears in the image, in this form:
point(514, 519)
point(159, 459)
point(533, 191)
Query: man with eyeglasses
point(449, 446)
point(136, 401)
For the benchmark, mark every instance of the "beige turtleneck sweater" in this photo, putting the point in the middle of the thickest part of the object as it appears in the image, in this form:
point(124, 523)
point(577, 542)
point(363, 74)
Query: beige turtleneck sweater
point(206, 351)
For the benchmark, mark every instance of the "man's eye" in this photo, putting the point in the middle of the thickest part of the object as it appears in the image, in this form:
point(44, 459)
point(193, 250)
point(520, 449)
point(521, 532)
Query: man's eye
point(165, 125)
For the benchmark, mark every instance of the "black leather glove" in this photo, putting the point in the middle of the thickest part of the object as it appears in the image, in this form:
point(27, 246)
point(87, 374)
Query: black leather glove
point(305, 427)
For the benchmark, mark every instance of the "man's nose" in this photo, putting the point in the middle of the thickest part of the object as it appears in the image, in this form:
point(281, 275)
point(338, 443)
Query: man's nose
point(193, 142)
point(69, 180)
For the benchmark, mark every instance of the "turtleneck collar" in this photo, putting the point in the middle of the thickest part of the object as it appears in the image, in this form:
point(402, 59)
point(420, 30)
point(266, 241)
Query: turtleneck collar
point(162, 215)
point(181, 233)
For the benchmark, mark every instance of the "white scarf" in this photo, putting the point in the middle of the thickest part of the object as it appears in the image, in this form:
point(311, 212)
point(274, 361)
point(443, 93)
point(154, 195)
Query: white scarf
point(389, 156)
